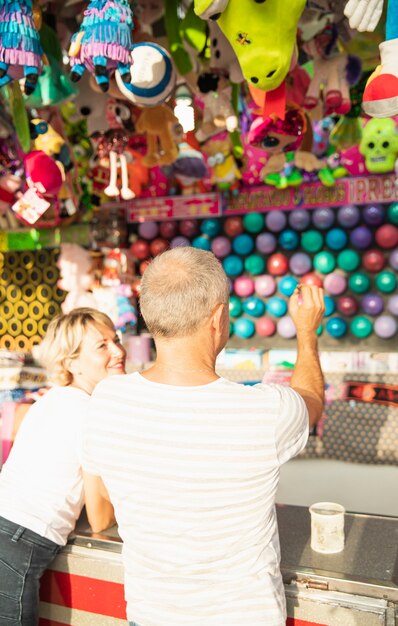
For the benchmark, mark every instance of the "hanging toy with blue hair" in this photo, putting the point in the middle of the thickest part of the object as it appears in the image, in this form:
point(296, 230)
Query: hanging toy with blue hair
point(20, 47)
point(104, 42)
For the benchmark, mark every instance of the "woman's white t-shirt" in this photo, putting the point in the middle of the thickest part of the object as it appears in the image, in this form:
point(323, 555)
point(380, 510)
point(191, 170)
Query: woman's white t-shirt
point(41, 483)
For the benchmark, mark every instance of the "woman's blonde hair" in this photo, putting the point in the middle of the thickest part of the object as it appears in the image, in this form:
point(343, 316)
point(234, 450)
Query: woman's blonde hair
point(63, 341)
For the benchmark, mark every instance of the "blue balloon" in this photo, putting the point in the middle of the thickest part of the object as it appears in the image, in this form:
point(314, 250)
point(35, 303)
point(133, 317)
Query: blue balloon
point(336, 239)
point(254, 306)
point(233, 265)
point(210, 227)
point(244, 328)
point(277, 307)
point(202, 243)
point(330, 305)
point(289, 239)
point(287, 285)
point(336, 327)
point(243, 244)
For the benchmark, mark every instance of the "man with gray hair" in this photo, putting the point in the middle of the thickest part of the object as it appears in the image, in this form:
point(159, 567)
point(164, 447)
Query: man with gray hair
point(191, 460)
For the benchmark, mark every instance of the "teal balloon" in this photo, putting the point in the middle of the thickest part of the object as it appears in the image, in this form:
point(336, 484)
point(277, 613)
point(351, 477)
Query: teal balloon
point(254, 306)
point(312, 241)
point(202, 243)
point(233, 265)
point(287, 285)
point(231, 329)
point(330, 305)
point(361, 327)
point(210, 227)
point(243, 244)
point(319, 330)
point(324, 262)
point(392, 213)
point(386, 282)
point(348, 260)
point(255, 264)
point(253, 222)
point(336, 327)
point(336, 238)
point(359, 282)
point(276, 307)
point(244, 328)
point(235, 306)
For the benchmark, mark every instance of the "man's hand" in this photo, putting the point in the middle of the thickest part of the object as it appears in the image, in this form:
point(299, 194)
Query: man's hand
point(306, 308)
point(364, 15)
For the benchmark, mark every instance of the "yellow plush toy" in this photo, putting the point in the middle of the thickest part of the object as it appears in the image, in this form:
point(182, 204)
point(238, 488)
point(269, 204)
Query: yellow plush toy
point(156, 123)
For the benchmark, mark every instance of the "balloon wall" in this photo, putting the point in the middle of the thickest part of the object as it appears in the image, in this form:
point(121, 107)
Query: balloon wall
point(350, 251)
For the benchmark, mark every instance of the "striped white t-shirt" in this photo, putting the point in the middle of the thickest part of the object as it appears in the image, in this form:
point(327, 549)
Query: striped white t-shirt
point(192, 473)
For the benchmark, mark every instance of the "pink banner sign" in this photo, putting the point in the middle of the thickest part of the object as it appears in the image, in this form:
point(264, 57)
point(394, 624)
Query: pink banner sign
point(173, 207)
point(361, 190)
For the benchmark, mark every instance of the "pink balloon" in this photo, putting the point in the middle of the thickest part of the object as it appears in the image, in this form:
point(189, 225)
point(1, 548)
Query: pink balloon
point(335, 283)
point(148, 230)
point(244, 286)
point(286, 327)
point(265, 285)
point(265, 327)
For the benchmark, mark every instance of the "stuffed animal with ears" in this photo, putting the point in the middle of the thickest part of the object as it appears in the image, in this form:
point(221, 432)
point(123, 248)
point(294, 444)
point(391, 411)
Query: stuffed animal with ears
point(332, 69)
point(380, 98)
point(218, 112)
point(223, 58)
point(262, 34)
point(225, 173)
point(77, 278)
point(20, 47)
point(104, 42)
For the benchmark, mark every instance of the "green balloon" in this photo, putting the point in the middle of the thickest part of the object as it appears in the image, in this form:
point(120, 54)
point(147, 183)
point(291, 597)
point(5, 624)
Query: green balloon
point(255, 264)
point(312, 241)
point(361, 327)
point(231, 329)
point(319, 330)
point(324, 262)
point(253, 222)
point(235, 306)
point(348, 260)
point(359, 282)
point(386, 282)
point(392, 213)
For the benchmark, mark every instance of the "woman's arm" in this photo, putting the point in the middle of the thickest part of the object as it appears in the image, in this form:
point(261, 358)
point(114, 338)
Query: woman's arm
point(99, 509)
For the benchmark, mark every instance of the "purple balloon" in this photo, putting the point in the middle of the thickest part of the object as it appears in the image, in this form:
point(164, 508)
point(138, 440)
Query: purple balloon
point(361, 237)
point(179, 242)
point(275, 221)
point(323, 218)
point(392, 305)
point(265, 285)
point(385, 326)
point(300, 263)
point(221, 247)
point(348, 216)
point(393, 259)
point(335, 284)
point(286, 327)
point(372, 304)
point(299, 219)
point(373, 214)
point(148, 230)
point(266, 243)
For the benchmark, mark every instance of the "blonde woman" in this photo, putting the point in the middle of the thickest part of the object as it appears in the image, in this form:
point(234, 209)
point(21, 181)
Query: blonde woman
point(41, 484)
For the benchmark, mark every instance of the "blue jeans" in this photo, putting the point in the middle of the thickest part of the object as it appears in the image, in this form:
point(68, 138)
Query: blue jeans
point(24, 555)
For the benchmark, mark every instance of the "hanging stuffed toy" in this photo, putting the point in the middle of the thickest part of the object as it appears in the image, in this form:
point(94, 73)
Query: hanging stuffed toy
point(262, 34)
point(104, 42)
point(218, 112)
point(225, 173)
point(77, 277)
point(20, 47)
point(380, 98)
point(189, 169)
point(117, 138)
point(222, 56)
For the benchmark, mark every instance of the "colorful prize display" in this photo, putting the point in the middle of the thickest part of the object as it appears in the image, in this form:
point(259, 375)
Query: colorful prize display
point(350, 251)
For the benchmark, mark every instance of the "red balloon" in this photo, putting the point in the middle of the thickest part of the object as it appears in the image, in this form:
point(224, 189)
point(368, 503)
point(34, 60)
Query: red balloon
point(347, 305)
point(387, 236)
point(140, 249)
point(143, 266)
point(189, 228)
point(265, 327)
point(277, 264)
point(157, 246)
point(312, 279)
point(168, 230)
point(233, 226)
point(373, 260)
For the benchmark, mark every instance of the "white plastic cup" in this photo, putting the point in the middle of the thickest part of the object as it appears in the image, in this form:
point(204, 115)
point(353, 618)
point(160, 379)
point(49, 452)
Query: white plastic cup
point(327, 527)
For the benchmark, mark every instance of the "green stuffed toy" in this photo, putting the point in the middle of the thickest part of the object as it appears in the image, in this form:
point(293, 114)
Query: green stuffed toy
point(262, 34)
